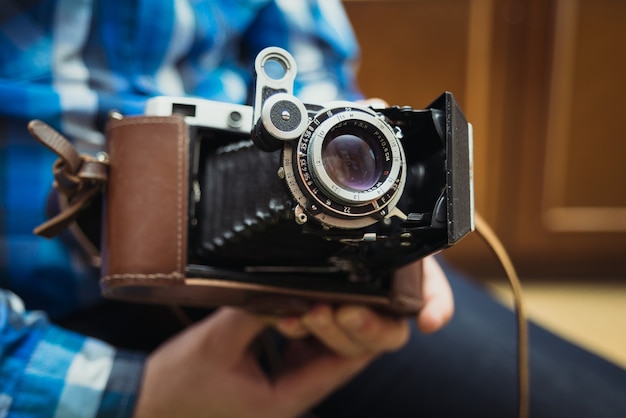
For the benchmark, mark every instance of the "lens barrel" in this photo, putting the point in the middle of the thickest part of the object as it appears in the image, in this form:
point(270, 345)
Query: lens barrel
point(351, 160)
point(348, 168)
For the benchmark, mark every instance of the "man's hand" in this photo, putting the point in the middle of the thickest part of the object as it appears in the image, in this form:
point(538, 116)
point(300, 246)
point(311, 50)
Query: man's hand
point(371, 331)
point(209, 370)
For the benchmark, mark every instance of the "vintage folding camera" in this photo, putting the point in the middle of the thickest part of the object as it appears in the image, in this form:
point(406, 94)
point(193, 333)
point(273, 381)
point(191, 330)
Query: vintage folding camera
point(319, 201)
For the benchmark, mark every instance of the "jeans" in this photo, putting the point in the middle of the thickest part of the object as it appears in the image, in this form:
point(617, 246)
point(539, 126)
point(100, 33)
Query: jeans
point(469, 369)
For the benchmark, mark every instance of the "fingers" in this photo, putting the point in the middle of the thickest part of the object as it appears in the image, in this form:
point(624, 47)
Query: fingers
point(353, 330)
point(439, 301)
point(290, 327)
point(321, 322)
point(371, 331)
point(354, 335)
point(349, 330)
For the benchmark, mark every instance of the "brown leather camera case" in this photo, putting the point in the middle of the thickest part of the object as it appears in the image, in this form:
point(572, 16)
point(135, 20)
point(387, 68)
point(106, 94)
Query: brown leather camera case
point(145, 227)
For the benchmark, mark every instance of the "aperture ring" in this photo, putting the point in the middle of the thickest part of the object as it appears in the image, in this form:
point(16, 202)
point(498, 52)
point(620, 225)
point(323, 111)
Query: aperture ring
point(327, 199)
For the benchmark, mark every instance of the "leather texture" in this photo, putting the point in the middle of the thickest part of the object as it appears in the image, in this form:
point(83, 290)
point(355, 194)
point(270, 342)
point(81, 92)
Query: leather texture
point(145, 216)
point(78, 177)
point(145, 226)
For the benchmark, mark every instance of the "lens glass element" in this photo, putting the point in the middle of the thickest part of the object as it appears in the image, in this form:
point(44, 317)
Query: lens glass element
point(351, 161)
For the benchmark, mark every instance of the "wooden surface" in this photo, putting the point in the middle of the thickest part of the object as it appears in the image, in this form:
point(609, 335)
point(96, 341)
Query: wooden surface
point(590, 313)
point(542, 81)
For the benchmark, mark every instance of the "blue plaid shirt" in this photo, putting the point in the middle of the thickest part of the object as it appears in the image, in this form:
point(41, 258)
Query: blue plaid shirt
point(69, 62)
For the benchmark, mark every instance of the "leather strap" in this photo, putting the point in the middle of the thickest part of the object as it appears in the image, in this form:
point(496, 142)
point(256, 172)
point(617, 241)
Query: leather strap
point(79, 177)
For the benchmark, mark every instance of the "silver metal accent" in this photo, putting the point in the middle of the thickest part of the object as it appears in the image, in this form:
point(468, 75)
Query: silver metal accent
point(286, 131)
point(217, 115)
point(369, 237)
point(269, 83)
point(397, 212)
point(301, 217)
point(470, 144)
point(398, 131)
point(304, 193)
point(324, 180)
point(281, 173)
point(235, 119)
point(102, 157)
point(114, 114)
point(197, 193)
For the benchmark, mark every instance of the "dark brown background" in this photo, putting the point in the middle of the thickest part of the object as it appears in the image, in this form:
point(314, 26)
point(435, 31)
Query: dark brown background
point(543, 83)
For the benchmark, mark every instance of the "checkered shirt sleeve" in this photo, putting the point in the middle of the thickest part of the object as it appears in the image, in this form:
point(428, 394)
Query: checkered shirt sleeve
point(69, 63)
point(46, 371)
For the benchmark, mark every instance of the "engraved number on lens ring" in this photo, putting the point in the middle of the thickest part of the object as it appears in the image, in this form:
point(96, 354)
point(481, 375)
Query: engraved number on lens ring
point(305, 190)
point(360, 220)
point(386, 153)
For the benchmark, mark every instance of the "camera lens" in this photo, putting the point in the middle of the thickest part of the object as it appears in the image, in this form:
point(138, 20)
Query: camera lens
point(347, 169)
point(351, 161)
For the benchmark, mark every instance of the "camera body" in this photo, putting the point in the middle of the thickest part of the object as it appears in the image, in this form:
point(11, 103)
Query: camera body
point(328, 197)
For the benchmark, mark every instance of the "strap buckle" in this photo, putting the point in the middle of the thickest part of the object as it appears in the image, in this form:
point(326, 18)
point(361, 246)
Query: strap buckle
point(78, 177)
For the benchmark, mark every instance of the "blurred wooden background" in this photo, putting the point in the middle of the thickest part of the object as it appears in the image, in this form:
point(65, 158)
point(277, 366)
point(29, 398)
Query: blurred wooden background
point(543, 83)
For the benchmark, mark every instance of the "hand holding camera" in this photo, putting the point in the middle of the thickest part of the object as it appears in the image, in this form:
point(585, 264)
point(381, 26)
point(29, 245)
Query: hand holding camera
point(226, 205)
point(217, 375)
